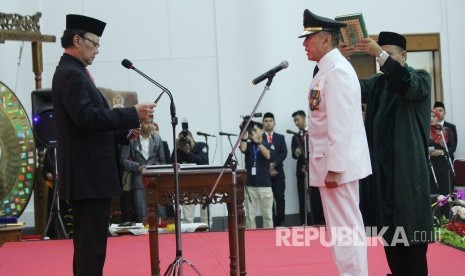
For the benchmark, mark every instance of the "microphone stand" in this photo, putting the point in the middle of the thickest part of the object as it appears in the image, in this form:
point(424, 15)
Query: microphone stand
point(304, 150)
point(432, 171)
point(449, 162)
point(232, 147)
point(208, 161)
point(233, 165)
point(55, 211)
point(175, 268)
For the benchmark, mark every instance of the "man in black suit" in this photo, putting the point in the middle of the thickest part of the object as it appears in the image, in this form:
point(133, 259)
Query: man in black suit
point(87, 136)
point(278, 179)
point(439, 106)
point(298, 152)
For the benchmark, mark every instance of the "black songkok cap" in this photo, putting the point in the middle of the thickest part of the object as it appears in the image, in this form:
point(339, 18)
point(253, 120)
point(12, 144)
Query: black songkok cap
point(314, 24)
point(268, 115)
point(87, 24)
point(390, 38)
point(439, 104)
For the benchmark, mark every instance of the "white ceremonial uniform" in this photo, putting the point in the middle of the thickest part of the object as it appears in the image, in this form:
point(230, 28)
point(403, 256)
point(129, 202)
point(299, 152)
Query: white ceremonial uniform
point(338, 143)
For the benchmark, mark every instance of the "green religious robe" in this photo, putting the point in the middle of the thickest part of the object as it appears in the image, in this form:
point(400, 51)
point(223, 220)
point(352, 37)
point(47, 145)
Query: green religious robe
point(397, 126)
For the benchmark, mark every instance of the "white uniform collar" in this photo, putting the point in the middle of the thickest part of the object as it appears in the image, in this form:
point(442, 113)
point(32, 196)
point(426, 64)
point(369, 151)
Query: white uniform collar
point(327, 60)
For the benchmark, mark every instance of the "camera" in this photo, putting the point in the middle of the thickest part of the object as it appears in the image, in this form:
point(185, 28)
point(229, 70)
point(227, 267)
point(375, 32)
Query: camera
point(251, 124)
point(183, 141)
point(185, 127)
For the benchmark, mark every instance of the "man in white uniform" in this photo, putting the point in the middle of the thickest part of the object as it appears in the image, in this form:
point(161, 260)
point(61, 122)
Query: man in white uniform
point(338, 146)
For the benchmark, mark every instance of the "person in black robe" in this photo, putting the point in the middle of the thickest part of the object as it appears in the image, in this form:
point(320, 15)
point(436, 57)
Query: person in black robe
point(87, 136)
point(397, 123)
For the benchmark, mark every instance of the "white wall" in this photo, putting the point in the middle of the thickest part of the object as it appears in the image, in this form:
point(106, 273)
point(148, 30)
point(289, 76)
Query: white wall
point(207, 52)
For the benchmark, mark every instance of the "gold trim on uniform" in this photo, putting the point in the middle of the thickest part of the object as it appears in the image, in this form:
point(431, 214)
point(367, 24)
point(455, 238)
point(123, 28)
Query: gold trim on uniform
point(313, 29)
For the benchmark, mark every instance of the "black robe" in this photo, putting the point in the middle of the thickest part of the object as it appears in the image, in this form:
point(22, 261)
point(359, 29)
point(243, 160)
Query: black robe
point(87, 134)
point(397, 126)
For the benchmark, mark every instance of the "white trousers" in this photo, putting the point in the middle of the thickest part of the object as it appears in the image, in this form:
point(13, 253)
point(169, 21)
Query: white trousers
point(188, 212)
point(258, 197)
point(341, 210)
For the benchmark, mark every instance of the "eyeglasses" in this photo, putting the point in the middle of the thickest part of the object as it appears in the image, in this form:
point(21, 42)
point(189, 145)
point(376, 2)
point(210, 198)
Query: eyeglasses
point(96, 44)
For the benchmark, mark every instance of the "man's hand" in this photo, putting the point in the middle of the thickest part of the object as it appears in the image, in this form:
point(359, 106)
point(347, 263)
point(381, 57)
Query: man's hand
point(253, 137)
point(298, 152)
point(368, 46)
point(145, 110)
point(141, 168)
point(273, 171)
point(332, 180)
point(184, 147)
point(346, 49)
point(436, 153)
point(49, 177)
point(135, 133)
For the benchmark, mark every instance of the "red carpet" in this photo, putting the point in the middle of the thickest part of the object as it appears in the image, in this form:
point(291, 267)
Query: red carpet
point(129, 255)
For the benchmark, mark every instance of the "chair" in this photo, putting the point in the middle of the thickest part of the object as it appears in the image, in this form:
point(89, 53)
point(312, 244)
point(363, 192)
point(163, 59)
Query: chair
point(459, 178)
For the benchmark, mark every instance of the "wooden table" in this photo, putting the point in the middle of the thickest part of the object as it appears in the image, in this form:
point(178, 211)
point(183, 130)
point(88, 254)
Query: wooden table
point(194, 187)
point(10, 233)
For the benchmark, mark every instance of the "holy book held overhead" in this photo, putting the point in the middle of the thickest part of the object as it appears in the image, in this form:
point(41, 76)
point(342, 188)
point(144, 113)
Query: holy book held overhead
point(355, 30)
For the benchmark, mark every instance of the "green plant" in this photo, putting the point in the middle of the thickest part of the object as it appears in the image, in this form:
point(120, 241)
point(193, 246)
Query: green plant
point(451, 230)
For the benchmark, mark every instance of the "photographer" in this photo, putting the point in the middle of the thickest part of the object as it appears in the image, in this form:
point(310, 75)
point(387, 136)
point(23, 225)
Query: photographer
point(190, 151)
point(258, 186)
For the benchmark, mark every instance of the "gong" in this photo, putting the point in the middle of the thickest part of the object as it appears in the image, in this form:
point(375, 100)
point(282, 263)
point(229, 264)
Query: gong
point(17, 155)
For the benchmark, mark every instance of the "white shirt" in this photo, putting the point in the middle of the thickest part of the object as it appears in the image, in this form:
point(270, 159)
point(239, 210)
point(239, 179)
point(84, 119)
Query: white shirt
point(144, 143)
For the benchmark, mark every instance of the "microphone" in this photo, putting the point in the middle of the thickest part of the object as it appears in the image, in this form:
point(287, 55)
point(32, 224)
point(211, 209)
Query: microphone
point(226, 134)
point(292, 132)
point(128, 64)
point(283, 65)
point(204, 134)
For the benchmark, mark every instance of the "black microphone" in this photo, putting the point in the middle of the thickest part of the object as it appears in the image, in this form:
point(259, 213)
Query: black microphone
point(128, 64)
point(292, 132)
point(204, 134)
point(283, 65)
point(226, 134)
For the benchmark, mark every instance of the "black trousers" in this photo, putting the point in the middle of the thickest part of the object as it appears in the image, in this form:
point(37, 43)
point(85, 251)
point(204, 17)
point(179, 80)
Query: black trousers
point(91, 219)
point(278, 186)
point(316, 215)
point(316, 207)
point(407, 260)
point(301, 193)
point(127, 206)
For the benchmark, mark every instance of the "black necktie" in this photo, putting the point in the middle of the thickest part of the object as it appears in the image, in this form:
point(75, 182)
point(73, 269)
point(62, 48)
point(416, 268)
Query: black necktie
point(315, 70)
